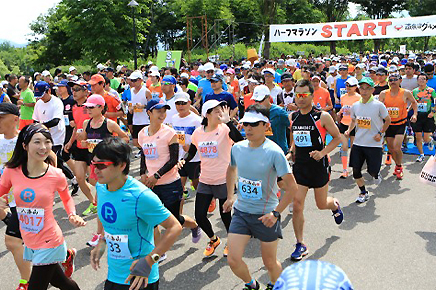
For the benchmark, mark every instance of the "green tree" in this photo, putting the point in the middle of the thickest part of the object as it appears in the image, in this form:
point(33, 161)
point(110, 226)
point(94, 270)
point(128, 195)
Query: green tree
point(422, 8)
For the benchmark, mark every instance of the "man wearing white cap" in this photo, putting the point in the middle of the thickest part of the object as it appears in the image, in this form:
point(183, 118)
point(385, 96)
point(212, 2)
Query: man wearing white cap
point(257, 164)
point(275, 90)
point(359, 70)
point(72, 70)
point(204, 85)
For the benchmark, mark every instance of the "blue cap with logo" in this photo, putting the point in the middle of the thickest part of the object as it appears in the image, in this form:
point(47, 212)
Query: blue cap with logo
point(62, 83)
point(157, 103)
point(169, 79)
point(40, 88)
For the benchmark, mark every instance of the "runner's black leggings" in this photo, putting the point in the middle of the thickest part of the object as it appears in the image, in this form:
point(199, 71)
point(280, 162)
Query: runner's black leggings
point(202, 202)
point(52, 274)
point(58, 151)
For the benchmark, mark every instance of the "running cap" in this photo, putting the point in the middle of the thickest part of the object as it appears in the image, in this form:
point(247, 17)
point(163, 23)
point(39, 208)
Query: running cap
point(281, 62)
point(210, 105)
point(392, 69)
point(82, 83)
point(62, 83)
point(352, 81)
point(382, 71)
point(182, 75)
point(254, 81)
point(216, 78)
point(367, 80)
point(181, 96)
point(260, 92)
point(9, 108)
point(230, 71)
point(154, 68)
point(316, 77)
point(136, 75)
point(94, 100)
point(40, 88)
point(332, 69)
point(35, 74)
point(157, 74)
point(71, 69)
point(200, 68)
point(223, 67)
point(95, 79)
point(286, 76)
point(253, 117)
point(208, 66)
point(268, 70)
point(343, 67)
point(361, 66)
point(46, 73)
point(157, 103)
point(169, 79)
point(100, 66)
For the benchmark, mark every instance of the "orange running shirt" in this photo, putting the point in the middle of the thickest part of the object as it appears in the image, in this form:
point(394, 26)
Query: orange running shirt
point(321, 98)
point(346, 103)
point(396, 106)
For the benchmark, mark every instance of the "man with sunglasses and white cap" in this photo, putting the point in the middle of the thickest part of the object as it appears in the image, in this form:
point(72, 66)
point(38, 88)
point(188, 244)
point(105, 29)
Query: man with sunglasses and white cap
point(257, 164)
point(371, 120)
point(309, 127)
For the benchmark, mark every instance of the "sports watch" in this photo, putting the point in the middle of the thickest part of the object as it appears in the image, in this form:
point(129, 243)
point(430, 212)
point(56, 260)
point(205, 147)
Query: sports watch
point(276, 214)
point(155, 257)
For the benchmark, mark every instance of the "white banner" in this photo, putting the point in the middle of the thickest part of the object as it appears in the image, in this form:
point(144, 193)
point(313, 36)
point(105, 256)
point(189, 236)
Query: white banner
point(353, 30)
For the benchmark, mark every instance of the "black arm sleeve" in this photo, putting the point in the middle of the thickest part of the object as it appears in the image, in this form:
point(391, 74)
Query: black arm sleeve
point(191, 153)
point(174, 158)
point(52, 123)
point(234, 134)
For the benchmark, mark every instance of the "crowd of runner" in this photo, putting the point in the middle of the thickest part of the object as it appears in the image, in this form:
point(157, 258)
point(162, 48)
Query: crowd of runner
point(250, 137)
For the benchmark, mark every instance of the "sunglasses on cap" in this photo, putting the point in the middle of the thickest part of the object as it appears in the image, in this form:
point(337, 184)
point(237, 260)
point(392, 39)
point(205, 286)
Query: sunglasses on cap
point(167, 83)
point(100, 165)
point(302, 95)
point(181, 103)
point(255, 124)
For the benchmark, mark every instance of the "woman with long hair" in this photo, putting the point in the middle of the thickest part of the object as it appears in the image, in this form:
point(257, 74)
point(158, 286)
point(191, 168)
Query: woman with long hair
point(34, 179)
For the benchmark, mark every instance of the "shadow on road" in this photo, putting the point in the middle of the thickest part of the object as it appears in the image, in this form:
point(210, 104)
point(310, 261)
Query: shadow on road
point(430, 237)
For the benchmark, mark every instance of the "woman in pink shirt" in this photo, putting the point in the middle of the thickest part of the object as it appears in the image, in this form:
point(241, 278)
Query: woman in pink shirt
point(214, 140)
point(34, 179)
point(161, 150)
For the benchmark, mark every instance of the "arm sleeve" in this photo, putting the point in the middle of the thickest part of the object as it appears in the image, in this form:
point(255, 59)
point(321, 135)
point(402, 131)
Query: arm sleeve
point(174, 158)
point(52, 123)
point(191, 153)
point(5, 182)
point(234, 134)
point(65, 196)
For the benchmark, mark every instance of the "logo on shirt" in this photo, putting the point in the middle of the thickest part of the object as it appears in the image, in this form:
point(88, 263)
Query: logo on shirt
point(108, 213)
point(27, 195)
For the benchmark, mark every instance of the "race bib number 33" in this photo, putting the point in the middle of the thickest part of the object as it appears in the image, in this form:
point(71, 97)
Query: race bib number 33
point(31, 219)
point(250, 189)
point(118, 246)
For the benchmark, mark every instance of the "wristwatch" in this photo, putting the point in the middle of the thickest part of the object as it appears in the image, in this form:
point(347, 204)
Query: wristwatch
point(155, 257)
point(276, 214)
point(156, 175)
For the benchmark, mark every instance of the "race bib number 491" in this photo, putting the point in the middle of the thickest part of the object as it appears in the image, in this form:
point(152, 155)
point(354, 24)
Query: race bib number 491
point(31, 219)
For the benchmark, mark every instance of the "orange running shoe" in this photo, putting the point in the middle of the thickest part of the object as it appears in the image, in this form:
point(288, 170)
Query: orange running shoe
point(211, 247)
point(388, 159)
point(212, 206)
point(69, 262)
point(400, 173)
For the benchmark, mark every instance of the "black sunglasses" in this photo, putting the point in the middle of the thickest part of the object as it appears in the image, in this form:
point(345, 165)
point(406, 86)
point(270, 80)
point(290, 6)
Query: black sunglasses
point(210, 71)
point(255, 124)
point(180, 103)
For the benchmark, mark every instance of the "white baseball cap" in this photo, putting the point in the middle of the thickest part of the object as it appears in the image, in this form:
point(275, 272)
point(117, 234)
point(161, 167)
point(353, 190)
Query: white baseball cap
point(332, 69)
point(100, 66)
point(253, 117)
point(352, 81)
point(210, 105)
point(208, 66)
point(268, 70)
point(361, 65)
point(184, 75)
point(71, 69)
point(46, 73)
point(154, 68)
point(136, 75)
point(260, 92)
point(181, 96)
point(392, 69)
point(154, 74)
point(201, 68)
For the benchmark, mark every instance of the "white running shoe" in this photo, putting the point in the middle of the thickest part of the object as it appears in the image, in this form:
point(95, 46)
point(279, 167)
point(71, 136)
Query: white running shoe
point(378, 180)
point(421, 157)
point(94, 241)
point(362, 198)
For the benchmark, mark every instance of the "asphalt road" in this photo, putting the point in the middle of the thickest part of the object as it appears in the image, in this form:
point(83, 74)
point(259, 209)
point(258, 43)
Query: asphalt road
point(389, 242)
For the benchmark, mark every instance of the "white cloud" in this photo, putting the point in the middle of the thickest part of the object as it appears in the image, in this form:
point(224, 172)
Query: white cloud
point(17, 15)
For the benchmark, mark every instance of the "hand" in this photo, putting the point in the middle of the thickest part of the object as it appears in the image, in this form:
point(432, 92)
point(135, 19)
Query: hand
point(20, 102)
point(347, 133)
point(72, 124)
point(430, 115)
point(137, 282)
point(239, 127)
point(225, 117)
point(199, 90)
point(413, 119)
point(150, 182)
point(67, 147)
point(96, 255)
point(3, 203)
point(269, 220)
point(228, 204)
point(180, 164)
point(377, 137)
point(317, 155)
point(76, 221)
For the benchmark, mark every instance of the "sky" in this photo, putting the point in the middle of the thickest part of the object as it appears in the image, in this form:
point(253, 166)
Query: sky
point(21, 13)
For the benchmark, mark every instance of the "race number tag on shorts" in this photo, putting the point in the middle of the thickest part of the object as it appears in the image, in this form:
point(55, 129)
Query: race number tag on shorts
point(250, 189)
point(422, 107)
point(346, 110)
point(269, 131)
point(67, 120)
point(302, 138)
point(364, 122)
point(181, 138)
point(150, 150)
point(342, 91)
point(208, 149)
point(394, 112)
point(31, 219)
point(118, 246)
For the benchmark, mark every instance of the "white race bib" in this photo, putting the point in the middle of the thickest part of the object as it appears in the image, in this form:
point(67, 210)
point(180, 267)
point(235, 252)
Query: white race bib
point(67, 120)
point(422, 107)
point(208, 149)
point(342, 91)
point(150, 150)
point(302, 138)
point(250, 189)
point(118, 246)
point(31, 219)
point(346, 110)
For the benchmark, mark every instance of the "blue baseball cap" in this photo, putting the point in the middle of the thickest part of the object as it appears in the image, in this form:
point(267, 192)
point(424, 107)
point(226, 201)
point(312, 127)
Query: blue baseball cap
point(40, 88)
point(157, 103)
point(404, 61)
point(169, 79)
point(62, 83)
point(223, 67)
point(384, 63)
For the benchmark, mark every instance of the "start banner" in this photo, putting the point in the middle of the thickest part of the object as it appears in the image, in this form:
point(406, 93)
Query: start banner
point(353, 30)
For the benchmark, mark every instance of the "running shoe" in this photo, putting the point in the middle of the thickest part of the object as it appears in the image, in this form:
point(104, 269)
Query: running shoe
point(94, 241)
point(420, 158)
point(162, 258)
point(344, 174)
point(431, 145)
point(196, 234)
point(249, 287)
point(300, 252)
point(338, 214)
point(378, 180)
point(362, 197)
point(388, 159)
point(269, 286)
point(211, 247)
point(69, 262)
point(186, 194)
point(75, 187)
point(212, 206)
point(226, 251)
point(23, 286)
point(400, 173)
point(90, 210)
